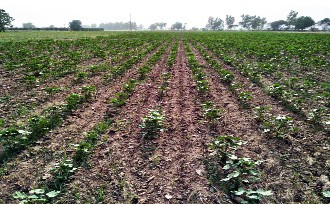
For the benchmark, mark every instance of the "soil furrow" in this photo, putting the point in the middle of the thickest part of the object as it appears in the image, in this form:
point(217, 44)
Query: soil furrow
point(178, 174)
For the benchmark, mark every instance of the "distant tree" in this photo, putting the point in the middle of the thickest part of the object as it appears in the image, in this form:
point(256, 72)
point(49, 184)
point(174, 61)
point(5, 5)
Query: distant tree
point(303, 22)
point(194, 29)
point(75, 25)
point(5, 20)
point(292, 18)
point(252, 22)
point(177, 26)
point(93, 25)
point(258, 23)
point(230, 20)
point(140, 27)
point(118, 26)
point(210, 22)
point(161, 25)
point(153, 26)
point(51, 26)
point(277, 24)
point(246, 21)
point(215, 24)
point(325, 23)
point(28, 25)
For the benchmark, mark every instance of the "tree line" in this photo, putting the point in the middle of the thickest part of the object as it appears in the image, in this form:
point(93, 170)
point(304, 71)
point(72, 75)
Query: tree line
point(248, 22)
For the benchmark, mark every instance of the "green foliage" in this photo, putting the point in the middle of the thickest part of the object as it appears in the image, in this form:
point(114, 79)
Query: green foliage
point(80, 77)
point(215, 24)
point(52, 90)
point(178, 26)
point(35, 196)
point(239, 172)
point(173, 54)
point(12, 139)
point(276, 25)
point(130, 86)
point(230, 20)
point(197, 70)
point(157, 26)
point(279, 126)
point(152, 124)
point(212, 114)
point(73, 100)
point(276, 90)
point(121, 97)
point(2, 123)
point(245, 97)
point(253, 22)
point(31, 79)
point(62, 172)
point(88, 92)
point(162, 89)
point(75, 25)
point(5, 20)
point(292, 17)
point(316, 115)
point(28, 25)
point(303, 22)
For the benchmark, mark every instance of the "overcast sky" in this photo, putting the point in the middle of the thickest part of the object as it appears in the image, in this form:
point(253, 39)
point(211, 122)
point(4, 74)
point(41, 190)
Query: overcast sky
point(194, 13)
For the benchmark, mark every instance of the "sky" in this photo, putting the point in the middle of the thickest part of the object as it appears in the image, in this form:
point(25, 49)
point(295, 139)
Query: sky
point(195, 13)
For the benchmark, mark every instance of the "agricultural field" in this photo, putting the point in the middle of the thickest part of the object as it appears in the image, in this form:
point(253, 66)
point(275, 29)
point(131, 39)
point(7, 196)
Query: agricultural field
point(164, 117)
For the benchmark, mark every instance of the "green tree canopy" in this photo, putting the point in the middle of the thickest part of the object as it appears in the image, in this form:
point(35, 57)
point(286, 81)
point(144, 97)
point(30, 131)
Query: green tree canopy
point(230, 20)
point(177, 26)
point(75, 25)
point(304, 22)
point(292, 18)
point(5, 20)
point(325, 23)
point(28, 25)
point(252, 22)
point(276, 24)
point(215, 23)
point(153, 26)
point(156, 26)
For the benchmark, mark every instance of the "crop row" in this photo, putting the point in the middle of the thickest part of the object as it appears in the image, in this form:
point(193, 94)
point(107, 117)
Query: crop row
point(64, 170)
point(295, 75)
point(239, 173)
point(109, 72)
point(14, 139)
